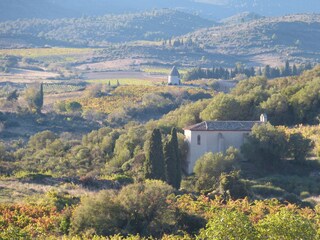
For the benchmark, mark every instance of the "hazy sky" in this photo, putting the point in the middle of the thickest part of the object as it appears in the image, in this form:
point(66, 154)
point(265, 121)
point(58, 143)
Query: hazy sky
point(217, 2)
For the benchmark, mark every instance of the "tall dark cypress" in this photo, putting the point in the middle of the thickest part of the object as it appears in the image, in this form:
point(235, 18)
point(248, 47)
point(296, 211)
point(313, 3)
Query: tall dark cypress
point(287, 70)
point(38, 101)
point(175, 146)
point(154, 166)
point(170, 164)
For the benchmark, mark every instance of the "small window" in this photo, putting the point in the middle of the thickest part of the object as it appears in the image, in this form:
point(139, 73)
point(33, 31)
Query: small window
point(199, 140)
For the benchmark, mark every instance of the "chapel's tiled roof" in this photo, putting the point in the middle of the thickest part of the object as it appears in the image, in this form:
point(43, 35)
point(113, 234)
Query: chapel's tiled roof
point(223, 126)
point(174, 72)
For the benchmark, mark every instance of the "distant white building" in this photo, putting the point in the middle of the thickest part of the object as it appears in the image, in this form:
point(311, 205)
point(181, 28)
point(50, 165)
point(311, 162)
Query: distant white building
point(216, 136)
point(174, 77)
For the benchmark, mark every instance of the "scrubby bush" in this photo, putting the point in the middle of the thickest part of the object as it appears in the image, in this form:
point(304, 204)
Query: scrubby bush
point(286, 225)
point(228, 224)
point(266, 145)
point(41, 140)
point(100, 213)
point(210, 166)
point(232, 186)
point(73, 107)
point(140, 208)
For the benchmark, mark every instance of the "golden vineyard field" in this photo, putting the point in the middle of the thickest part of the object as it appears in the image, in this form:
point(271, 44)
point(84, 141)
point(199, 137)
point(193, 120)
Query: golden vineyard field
point(126, 96)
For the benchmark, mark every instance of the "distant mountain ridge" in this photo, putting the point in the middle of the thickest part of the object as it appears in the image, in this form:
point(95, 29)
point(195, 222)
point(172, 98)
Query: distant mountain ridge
point(96, 31)
point(279, 38)
point(241, 18)
point(218, 9)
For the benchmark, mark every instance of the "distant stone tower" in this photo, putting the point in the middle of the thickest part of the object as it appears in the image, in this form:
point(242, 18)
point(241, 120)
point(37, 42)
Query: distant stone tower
point(174, 77)
point(264, 118)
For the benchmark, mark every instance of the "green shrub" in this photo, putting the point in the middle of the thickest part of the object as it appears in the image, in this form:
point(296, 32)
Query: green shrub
point(72, 107)
point(286, 225)
point(140, 208)
point(304, 194)
point(100, 212)
point(232, 186)
point(209, 167)
point(228, 224)
point(266, 145)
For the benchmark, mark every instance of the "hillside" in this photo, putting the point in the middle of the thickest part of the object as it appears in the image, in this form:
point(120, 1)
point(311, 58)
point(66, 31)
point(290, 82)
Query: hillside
point(274, 7)
point(20, 9)
point(256, 42)
point(214, 9)
point(241, 18)
point(265, 40)
point(153, 25)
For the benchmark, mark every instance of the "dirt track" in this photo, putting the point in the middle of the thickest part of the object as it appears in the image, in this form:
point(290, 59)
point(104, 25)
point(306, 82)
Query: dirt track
point(120, 75)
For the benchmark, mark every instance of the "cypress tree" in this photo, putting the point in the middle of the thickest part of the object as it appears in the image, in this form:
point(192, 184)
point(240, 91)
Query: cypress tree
point(170, 164)
point(175, 147)
point(38, 101)
point(287, 69)
point(294, 70)
point(267, 71)
point(154, 166)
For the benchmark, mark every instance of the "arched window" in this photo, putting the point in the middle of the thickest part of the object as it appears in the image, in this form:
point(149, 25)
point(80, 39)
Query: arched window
point(199, 140)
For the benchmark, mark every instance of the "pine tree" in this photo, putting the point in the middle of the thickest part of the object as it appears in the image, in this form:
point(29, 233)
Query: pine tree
point(154, 166)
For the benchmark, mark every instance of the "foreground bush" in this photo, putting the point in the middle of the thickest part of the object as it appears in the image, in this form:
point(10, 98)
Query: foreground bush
point(229, 225)
point(286, 225)
point(139, 208)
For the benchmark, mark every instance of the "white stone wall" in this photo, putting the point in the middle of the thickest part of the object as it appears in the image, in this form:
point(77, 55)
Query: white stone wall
point(173, 80)
point(210, 143)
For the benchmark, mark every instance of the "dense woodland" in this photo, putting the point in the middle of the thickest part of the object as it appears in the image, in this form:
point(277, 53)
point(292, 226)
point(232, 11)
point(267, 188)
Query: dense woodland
point(226, 74)
point(269, 183)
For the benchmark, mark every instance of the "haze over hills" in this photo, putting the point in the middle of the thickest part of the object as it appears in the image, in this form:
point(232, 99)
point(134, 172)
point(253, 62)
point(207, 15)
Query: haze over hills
point(94, 31)
point(215, 9)
point(268, 40)
point(278, 38)
point(241, 17)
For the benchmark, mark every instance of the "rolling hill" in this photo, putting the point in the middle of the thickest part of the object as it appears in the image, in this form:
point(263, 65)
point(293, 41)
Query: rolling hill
point(241, 18)
point(214, 9)
point(96, 31)
point(52, 9)
point(265, 40)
